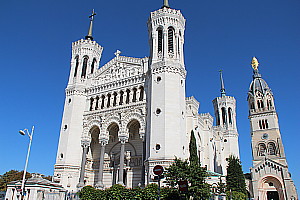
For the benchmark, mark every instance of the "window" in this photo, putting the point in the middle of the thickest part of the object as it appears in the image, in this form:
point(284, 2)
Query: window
point(224, 115)
point(97, 103)
point(93, 65)
point(160, 41)
point(76, 66)
point(127, 96)
point(141, 93)
point(91, 103)
point(271, 148)
point(261, 149)
point(102, 103)
point(121, 97)
point(84, 66)
point(230, 115)
point(170, 40)
point(115, 99)
point(134, 95)
point(108, 100)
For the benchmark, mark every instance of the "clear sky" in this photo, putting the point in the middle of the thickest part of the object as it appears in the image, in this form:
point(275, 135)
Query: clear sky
point(35, 54)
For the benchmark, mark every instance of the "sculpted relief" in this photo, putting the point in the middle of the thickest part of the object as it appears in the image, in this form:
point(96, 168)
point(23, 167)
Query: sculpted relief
point(118, 71)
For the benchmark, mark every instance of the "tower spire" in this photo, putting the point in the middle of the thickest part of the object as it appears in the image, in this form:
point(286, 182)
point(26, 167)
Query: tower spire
point(90, 32)
point(223, 93)
point(166, 4)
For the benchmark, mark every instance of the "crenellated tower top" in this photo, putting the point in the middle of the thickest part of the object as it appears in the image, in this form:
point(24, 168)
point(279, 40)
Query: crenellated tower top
point(166, 35)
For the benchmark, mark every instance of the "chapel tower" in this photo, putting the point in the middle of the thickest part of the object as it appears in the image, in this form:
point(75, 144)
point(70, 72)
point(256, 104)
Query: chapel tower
point(225, 112)
point(86, 54)
point(166, 127)
point(270, 176)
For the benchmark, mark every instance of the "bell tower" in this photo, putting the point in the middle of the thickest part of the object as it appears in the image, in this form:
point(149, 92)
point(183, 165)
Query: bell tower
point(86, 54)
point(270, 175)
point(166, 127)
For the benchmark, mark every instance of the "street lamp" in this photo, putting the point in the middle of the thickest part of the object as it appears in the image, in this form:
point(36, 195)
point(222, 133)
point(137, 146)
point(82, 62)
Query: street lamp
point(24, 132)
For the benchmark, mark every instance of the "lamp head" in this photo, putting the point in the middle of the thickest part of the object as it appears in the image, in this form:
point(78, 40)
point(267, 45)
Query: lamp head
point(22, 132)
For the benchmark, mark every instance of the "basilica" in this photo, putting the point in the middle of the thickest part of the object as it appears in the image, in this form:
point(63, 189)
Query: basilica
point(131, 114)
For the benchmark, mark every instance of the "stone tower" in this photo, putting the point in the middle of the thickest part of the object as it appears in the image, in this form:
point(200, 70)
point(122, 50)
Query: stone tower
point(225, 112)
point(270, 176)
point(166, 126)
point(86, 55)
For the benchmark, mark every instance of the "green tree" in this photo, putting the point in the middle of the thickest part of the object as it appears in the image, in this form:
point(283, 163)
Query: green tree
point(12, 175)
point(194, 159)
point(235, 179)
point(190, 171)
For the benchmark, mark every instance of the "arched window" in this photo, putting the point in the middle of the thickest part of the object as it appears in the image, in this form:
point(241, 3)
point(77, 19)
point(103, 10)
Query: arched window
point(178, 42)
point(102, 102)
point(262, 104)
point(263, 124)
point(127, 96)
point(91, 103)
point(141, 93)
point(76, 66)
point(260, 125)
point(93, 65)
point(115, 99)
point(252, 105)
point(108, 100)
point(170, 40)
point(159, 41)
point(266, 123)
point(224, 115)
point(121, 97)
point(230, 115)
point(271, 148)
point(261, 149)
point(84, 66)
point(97, 103)
point(134, 95)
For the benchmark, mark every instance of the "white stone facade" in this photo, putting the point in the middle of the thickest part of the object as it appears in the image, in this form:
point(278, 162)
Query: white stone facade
point(123, 118)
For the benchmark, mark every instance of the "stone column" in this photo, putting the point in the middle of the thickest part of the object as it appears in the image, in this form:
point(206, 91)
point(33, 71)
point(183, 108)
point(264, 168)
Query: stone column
point(103, 142)
point(142, 136)
point(123, 140)
point(85, 143)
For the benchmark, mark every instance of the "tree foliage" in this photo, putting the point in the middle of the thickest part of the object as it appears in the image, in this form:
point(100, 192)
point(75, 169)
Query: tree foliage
point(194, 159)
point(12, 175)
point(235, 179)
point(119, 192)
point(190, 171)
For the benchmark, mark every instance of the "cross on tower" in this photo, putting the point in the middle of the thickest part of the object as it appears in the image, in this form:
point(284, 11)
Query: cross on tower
point(92, 15)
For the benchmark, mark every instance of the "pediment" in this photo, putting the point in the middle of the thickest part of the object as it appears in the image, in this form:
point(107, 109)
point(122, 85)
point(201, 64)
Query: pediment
point(268, 163)
point(119, 68)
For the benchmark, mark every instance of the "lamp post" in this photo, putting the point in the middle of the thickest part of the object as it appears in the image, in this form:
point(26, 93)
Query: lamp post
point(26, 132)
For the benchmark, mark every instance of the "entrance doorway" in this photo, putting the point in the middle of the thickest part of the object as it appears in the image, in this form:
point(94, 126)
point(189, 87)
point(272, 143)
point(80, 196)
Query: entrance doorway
point(272, 195)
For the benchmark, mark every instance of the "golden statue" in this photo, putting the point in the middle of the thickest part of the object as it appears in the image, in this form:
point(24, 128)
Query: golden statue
point(254, 63)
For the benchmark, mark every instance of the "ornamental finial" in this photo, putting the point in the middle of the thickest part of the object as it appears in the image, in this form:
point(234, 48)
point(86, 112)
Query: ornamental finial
point(166, 4)
point(255, 63)
point(89, 36)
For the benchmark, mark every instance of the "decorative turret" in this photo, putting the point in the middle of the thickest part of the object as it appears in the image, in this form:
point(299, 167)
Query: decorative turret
point(166, 35)
point(260, 96)
point(86, 55)
point(225, 112)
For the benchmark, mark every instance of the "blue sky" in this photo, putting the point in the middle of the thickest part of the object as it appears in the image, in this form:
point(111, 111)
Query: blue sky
point(36, 48)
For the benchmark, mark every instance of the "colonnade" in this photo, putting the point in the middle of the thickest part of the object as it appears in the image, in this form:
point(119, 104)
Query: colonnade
point(117, 98)
point(86, 142)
